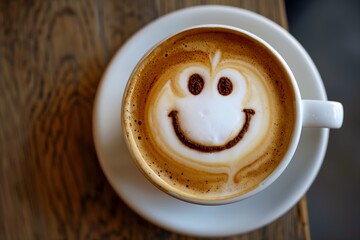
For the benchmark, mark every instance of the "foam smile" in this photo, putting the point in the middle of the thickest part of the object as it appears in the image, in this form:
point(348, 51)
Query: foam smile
point(204, 148)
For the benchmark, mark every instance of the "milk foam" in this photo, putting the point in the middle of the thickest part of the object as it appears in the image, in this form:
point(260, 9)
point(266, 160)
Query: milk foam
point(159, 91)
point(210, 118)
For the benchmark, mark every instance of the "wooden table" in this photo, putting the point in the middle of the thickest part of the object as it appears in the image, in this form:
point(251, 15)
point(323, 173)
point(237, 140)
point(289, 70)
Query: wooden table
point(52, 56)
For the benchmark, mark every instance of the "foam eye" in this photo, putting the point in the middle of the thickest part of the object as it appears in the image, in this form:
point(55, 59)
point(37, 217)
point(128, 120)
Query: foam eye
point(196, 84)
point(225, 86)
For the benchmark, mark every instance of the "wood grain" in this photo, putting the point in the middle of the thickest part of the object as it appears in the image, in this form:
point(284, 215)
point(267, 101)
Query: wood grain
point(52, 56)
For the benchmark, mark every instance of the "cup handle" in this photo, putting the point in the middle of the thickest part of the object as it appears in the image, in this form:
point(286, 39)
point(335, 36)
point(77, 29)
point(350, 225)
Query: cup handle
point(322, 114)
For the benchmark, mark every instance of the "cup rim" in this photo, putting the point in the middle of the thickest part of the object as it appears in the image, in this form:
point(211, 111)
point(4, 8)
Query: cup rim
point(165, 187)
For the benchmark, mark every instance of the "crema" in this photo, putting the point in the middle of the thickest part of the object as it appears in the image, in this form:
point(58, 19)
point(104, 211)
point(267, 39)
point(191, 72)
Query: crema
point(209, 113)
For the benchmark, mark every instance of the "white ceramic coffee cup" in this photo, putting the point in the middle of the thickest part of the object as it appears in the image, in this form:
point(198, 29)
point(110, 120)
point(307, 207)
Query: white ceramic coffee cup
point(309, 113)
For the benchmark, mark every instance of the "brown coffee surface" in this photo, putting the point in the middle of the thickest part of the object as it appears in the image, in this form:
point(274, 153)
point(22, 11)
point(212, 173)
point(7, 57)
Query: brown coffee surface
point(173, 170)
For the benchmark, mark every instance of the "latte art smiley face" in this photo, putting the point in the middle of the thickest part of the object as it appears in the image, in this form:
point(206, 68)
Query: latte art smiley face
point(195, 86)
point(204, 112)
point(208, 114)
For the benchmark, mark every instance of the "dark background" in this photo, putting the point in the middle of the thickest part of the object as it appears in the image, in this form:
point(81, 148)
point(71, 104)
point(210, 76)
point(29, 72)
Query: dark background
point(330, 31)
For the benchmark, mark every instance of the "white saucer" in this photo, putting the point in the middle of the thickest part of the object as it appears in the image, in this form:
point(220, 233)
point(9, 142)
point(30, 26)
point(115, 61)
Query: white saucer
point(173, 214)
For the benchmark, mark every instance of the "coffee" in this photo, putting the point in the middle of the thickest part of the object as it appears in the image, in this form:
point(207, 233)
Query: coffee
point(209, 113)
